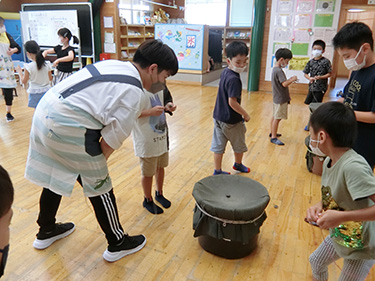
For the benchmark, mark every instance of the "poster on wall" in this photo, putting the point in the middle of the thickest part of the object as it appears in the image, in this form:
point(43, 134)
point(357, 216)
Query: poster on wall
point(186, 40)
point(296, 24)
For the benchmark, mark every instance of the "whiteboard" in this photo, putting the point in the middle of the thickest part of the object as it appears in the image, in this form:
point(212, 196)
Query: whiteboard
point(42, 26)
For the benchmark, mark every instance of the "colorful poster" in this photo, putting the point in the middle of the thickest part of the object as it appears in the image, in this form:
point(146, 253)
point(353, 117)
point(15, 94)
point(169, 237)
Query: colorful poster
point(186, 40)
point(298, 63)
point(323, 20)
point(300, 49)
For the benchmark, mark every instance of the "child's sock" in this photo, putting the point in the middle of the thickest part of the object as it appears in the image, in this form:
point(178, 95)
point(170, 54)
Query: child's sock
point(240, 167)
point(162, 200)
point(151, 207)
point(220, 172)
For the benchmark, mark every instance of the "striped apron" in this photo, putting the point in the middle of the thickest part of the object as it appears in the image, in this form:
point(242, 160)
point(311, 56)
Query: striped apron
point(64, 142)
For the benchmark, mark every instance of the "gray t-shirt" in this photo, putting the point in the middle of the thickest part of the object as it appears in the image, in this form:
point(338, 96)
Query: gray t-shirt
point(346, 186)
point(279, 92)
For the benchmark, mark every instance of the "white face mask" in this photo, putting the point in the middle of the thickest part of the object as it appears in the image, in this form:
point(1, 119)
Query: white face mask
point(352, 64)
point(316, 53)
point(316, 150)
point(238, 69)
point(2, 29)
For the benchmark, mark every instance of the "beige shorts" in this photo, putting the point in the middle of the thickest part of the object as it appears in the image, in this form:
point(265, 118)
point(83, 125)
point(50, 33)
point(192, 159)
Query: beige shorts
point(150, 164)
point(280, 111)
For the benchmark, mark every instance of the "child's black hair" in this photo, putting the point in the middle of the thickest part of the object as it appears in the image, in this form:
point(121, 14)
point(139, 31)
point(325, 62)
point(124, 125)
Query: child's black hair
point(66, 33)
point(320, 43)
point(338, 120)
point(352, 36)
point(283, 53)
point(6, 192)
point(236, 48)
point(155, 51)
point(33, 48)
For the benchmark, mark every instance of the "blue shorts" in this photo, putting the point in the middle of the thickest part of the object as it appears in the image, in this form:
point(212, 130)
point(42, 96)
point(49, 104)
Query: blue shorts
point(224, 132)
point(34, 99)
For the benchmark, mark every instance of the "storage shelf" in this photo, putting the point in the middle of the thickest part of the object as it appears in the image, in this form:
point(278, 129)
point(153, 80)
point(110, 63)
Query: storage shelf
point(130, 41)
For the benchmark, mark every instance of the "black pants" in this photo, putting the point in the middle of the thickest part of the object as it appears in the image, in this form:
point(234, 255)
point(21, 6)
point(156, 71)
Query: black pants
point(8, 95)
point(314, 96)
point(105, 209)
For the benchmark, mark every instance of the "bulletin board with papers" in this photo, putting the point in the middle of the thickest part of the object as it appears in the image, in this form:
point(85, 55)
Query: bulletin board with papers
point(296, 24)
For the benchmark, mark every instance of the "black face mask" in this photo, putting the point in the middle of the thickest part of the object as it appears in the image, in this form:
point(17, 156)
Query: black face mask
point(3, 259)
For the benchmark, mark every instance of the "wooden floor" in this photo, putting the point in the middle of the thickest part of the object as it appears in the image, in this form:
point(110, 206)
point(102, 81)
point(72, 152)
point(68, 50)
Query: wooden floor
point(171, 252)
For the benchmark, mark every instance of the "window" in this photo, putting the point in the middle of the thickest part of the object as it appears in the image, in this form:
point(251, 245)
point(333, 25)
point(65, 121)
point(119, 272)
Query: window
point(135, 11)
point(210, 12)
point(241, 13)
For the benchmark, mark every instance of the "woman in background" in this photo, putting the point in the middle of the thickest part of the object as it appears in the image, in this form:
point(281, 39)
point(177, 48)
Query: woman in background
point(8, 47)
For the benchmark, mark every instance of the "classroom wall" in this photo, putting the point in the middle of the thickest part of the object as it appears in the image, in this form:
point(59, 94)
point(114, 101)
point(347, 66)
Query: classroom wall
point(10, 6)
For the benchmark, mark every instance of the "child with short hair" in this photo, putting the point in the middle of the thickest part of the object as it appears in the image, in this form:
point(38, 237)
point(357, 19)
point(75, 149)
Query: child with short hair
point(151, 145)
point(65, 55)
point(280, 92)
point(347, 207)
point(317, 71)
point(354, 43)
point(229, 115)
point(6, 200)
point(37, 73)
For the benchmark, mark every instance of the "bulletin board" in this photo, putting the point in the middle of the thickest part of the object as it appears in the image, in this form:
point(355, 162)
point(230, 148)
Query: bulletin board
point(84, 17)
point(296, 24)
point(186, 40)
point(44, 31)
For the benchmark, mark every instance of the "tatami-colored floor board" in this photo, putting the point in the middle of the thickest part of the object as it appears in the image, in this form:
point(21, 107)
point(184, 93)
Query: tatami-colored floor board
point(172, 253)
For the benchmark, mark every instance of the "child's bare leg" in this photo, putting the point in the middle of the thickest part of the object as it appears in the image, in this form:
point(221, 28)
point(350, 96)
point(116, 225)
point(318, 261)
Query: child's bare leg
point(147, 185)
point(238, 157)
point(274, 127)
point(159, 176)
point(218, 158)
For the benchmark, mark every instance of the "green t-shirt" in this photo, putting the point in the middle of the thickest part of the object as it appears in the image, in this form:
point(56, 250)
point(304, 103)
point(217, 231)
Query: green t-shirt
point(347, 185)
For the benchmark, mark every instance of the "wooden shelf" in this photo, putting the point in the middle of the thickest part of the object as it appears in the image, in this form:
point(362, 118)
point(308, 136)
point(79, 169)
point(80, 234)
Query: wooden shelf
point(131, 41)
point(232, 33)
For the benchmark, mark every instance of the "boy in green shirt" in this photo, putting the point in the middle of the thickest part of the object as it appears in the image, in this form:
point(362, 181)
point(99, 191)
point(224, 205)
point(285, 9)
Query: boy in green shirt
point(347, 207)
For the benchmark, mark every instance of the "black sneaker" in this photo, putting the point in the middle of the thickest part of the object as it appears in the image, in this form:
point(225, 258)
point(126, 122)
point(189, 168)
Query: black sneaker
point(162, 200)
point(45, 239)
point(9, 117)
point(152, 207)
point(276, 141)
point(129, 245)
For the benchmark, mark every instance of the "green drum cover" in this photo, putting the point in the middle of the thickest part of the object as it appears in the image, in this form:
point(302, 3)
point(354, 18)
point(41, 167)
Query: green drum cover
point(232, 198)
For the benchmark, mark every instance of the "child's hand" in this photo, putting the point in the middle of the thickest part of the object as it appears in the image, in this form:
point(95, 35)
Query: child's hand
point(294, 78)
point(329, 219)
point(313, 213)
point(170, 107)
point(246, 117)
point(55, 63)
point(312, 79)
point(156, 110)
point(18, 69)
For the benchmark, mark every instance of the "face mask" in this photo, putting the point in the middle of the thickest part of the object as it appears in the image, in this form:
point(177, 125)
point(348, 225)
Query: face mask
point(238, 69)
point(352, 64)
point(283, 65)
point(316, 150)
point(4, 259)
point(156, 87)
point(2, 29)
point(316, 53)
